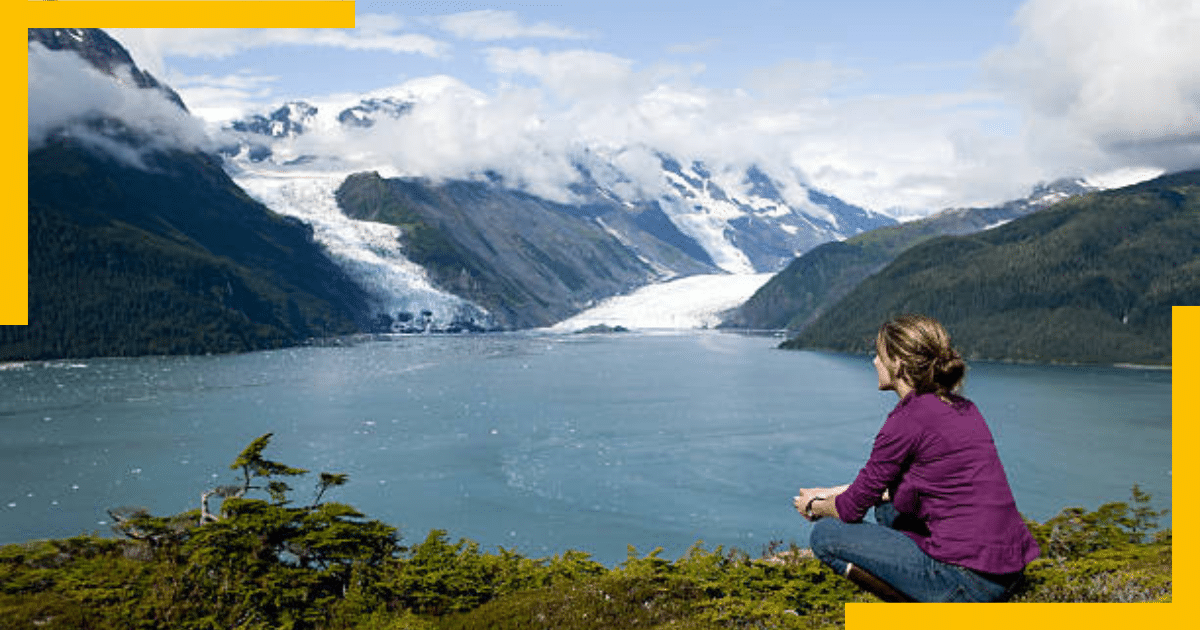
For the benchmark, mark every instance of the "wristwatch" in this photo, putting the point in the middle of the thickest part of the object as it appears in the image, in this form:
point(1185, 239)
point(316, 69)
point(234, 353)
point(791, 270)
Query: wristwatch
point(808, 507)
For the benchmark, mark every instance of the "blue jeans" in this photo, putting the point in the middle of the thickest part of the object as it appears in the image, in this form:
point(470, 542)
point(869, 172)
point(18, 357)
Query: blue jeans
point(893, 557)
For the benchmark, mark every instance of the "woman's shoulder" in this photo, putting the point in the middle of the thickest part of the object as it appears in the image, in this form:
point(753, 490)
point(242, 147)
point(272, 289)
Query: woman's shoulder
point(932, 419)
point(932, 404)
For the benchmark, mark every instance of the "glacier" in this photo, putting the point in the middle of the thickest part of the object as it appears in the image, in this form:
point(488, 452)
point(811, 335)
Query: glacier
point(694, 302)
point(368, 251)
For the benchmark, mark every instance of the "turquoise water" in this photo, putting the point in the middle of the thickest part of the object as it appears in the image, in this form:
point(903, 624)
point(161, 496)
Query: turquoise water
point(543, 442)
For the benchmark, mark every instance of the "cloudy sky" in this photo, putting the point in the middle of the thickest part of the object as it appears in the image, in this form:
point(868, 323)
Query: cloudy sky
point(906, 107)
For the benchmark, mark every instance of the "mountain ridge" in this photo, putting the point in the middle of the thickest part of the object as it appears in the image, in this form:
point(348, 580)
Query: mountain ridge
point(1090, 280)
point(167, 256)
point(814, 281)
point(102, 52)
point(746, 222)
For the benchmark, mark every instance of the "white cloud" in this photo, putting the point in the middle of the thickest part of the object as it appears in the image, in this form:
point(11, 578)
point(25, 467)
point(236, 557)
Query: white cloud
point(222, 98)
point(919, 153)
point(1106, 83)
point(914, 154)
point(492, 25)
point(460, 134)
point(578, 74)
point(372, 32)
point(453, 132)
point(93, 95)
point(799, 78)
point(695, 48)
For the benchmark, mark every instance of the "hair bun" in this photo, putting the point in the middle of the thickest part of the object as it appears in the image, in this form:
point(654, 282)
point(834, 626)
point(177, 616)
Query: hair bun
point(949, 371)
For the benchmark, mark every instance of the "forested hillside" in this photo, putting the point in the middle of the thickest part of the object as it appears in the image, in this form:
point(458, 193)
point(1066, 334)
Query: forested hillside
point(1090, 280)
point(816, 280)
point(174, 259)
point(140, 245)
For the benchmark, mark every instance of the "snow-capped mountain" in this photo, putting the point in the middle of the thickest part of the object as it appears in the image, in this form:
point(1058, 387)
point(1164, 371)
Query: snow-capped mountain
point(105, 54)
point(258, 137)
point(678, 217)
point(747, 224)
point(958, 221)
point(288, 121)
point(745, 219)
point(294, 118)
point(367, 111)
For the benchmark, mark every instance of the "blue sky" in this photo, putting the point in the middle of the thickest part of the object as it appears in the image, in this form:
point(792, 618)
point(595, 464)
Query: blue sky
point(898, 47)
point(901, 106)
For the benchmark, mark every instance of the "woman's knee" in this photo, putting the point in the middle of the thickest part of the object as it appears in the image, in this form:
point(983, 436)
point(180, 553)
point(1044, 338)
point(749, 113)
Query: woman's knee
point(824, 536)
point(826, 543)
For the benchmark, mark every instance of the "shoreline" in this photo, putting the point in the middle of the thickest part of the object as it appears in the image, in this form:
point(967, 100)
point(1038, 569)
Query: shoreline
point(1123, 365)
point(1142, 366)
point(355, 338)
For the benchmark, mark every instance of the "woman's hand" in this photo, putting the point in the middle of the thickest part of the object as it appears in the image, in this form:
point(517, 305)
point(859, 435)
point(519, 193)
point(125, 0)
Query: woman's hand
point(814, 503)
point(804, 501)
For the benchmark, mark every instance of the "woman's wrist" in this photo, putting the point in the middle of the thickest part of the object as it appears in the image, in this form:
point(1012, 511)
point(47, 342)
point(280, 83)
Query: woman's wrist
point(808, 509)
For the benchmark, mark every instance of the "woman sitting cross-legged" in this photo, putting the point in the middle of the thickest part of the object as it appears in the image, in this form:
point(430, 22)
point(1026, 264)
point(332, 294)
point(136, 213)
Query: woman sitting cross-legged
point(948, 529)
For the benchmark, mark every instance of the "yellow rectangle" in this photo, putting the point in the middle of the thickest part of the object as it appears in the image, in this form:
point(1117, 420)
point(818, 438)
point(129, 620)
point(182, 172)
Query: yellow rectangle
point(190, 14)
point(14, 215)
point(1185, 434)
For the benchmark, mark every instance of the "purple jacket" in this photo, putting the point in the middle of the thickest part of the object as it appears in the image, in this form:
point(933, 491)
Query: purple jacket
point(941, 466)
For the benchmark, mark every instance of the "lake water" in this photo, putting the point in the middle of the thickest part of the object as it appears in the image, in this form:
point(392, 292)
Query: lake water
point(543, 442)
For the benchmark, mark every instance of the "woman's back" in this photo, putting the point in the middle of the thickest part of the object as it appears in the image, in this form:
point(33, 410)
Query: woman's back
point(955, 484)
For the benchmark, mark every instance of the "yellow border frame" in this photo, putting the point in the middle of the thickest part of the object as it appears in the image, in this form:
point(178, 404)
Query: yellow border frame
point(340, 14)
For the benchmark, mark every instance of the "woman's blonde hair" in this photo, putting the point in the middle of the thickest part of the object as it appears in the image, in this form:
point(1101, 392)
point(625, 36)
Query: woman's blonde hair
point(926, 360)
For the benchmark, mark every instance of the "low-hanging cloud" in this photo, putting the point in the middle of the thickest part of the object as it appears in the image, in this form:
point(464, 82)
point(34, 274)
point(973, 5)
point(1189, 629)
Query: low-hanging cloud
point(223, 97)
point(534, 136)
point(1106, 83)
point(596, 108)
point(67, 95)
